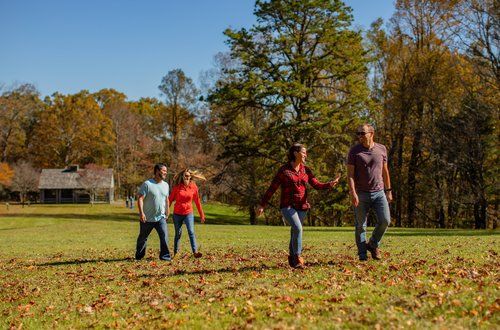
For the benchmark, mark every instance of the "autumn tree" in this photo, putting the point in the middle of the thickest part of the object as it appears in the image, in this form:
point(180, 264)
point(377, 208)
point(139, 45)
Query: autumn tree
point(298, 75)
point(416, 86)
point(180, 97)
point(6, 174)
point(18, 108)
point(127, 133)
point(435, 115)
point(477, 34)
point(477, 37)
point(26, 179)
point(91, 179)
point(72, 129)
point(149, 146)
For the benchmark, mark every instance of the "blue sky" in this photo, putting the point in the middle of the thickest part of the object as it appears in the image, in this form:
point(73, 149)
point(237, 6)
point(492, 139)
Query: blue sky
point(69, 45)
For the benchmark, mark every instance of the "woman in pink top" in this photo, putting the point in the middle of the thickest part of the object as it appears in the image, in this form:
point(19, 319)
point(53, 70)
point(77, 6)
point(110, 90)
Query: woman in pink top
point(184, 193)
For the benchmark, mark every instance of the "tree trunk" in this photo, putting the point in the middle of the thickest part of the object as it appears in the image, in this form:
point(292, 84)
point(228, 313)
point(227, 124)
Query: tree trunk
point(396, 171)
point(396, 164)
point(253, 215)
point(175, 132)
point(451, 222)
point(412, 176)
point(480, 206)
point(440, 214)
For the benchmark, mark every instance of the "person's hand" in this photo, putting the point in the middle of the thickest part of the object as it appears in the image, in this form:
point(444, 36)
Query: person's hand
point(335, 181)
point(259, 210)
point(202, 220)
point(143, 217)
point(388, 194)
point(354, 199)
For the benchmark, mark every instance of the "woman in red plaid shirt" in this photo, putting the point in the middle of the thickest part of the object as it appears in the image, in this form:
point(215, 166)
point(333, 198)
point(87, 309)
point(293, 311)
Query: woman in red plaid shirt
point(293, 177)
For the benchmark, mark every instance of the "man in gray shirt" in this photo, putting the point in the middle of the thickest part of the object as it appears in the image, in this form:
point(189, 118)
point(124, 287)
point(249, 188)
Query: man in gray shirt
point(153, 212)
point(369, 187)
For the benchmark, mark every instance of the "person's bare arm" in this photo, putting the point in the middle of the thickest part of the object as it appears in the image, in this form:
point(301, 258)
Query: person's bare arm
point(167, 208)
point(353, 196)
point(387, 182)
point(140, 204)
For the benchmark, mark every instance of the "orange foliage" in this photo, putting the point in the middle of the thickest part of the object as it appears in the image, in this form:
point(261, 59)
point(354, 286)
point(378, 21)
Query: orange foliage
point(6, 174)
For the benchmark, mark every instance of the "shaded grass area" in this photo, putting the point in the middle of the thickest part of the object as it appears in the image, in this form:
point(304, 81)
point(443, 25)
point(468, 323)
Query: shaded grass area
point(215, 213)
point(61, 268)
point(221, 214)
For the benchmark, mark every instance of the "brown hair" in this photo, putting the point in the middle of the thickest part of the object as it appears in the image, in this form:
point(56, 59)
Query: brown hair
point(158, 167)
point(296, 147)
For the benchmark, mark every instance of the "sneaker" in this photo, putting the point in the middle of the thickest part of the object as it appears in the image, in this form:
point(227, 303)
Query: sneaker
point(375, 252)
point(291, 261)
point(299, 262)
point(197, 254)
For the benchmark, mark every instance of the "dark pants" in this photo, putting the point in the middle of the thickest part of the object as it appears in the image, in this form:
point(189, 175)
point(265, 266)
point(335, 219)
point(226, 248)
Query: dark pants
point(144, 231)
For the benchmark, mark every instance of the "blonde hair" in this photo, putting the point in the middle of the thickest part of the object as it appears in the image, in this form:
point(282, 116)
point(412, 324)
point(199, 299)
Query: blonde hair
point(178, 178)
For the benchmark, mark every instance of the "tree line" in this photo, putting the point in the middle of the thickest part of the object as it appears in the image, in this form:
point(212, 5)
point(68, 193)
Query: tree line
point(428, 80)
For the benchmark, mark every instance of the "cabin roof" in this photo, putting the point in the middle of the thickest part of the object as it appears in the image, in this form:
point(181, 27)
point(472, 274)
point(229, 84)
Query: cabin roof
point(74, 178)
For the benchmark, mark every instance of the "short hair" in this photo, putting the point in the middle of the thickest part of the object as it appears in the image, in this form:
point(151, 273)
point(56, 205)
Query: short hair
point(296, 147)
point(158, 167)
point(368, 126)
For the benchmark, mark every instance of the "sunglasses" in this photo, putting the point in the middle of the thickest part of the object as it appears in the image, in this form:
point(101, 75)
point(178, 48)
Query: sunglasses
point(362, 133)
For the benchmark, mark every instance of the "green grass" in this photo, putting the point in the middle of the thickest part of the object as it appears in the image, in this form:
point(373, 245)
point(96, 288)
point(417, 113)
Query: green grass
point(71, 267)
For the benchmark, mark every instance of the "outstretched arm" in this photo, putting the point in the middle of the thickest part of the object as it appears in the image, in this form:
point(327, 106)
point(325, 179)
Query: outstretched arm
point(321, 185)
point(269, 193)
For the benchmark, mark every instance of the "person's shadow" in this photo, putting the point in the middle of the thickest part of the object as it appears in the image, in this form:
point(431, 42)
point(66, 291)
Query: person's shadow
point(84, 261)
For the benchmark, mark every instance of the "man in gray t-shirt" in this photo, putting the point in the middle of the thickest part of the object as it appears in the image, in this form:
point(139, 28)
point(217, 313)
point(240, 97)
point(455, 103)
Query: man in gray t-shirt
point(153, 212)
point(369, 187)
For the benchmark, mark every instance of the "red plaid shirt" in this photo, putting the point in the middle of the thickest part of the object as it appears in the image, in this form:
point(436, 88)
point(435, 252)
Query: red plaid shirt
point(293, 187)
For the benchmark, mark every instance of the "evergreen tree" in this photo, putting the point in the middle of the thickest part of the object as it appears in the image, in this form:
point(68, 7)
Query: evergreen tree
point(298, 75)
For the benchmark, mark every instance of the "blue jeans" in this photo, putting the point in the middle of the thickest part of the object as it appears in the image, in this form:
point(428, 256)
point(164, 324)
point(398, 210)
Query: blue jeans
point(144, 231)
point(295, 219)
point(188, 219)
point(378, 202)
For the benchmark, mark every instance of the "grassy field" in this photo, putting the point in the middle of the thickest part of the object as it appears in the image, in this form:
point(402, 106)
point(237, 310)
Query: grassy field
point(71, 267)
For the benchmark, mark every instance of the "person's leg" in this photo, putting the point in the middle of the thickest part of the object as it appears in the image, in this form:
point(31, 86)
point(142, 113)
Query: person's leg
point(189, 220)
point(381, 208)
point(295, 219)
point(161, 228)
point(178, 220)
point(360, 218)
point(142, 239)
point(291, 259)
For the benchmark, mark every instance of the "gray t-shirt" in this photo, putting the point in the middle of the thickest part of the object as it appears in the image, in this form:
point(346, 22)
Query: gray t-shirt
point(368, 164)
point(155, 198)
